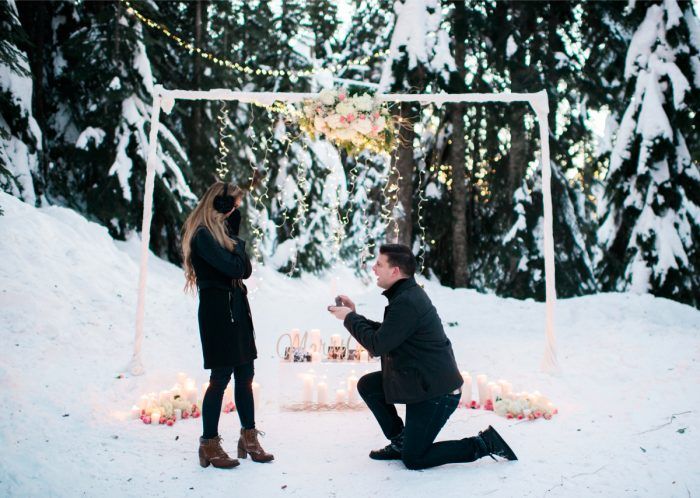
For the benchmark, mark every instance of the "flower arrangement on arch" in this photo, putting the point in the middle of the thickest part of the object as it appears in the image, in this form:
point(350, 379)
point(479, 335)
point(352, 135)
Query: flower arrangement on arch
point(355, 123)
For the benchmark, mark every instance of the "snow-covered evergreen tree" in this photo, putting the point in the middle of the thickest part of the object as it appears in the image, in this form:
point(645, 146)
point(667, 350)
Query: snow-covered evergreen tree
point(20, 136)
point(650, 215)
point(534, 50)
point(100, 128)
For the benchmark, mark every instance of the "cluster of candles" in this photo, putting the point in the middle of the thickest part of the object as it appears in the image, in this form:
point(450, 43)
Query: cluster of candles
point(181, 402)
point(500, 398)
point(311, 343)
point(316, 394)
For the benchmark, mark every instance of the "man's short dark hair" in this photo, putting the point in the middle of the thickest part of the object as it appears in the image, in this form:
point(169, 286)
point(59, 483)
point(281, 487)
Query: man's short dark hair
point(401, 256)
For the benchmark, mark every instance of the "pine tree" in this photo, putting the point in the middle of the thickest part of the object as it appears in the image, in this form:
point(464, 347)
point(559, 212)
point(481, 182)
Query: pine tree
point(650, 219)
point(100, 126)
point(530, 48)
point(20, 135)
point(418, 57)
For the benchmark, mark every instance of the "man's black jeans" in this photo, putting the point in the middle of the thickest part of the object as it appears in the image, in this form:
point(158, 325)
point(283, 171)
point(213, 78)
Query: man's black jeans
point(423, 423)
point(243, 396)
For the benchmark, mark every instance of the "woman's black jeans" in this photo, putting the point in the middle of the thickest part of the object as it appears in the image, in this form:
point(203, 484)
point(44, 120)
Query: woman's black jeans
point(243, 396)
point(423, 423)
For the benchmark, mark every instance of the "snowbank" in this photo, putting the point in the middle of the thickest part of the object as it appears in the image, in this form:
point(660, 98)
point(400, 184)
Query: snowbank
point(628, 422)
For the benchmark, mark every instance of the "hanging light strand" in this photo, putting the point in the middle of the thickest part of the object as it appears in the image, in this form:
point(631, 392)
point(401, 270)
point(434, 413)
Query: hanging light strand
point(244, 68)
point(222, 168)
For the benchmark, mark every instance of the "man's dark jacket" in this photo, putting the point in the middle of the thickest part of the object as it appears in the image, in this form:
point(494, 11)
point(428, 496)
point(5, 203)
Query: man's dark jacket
point(417, 358)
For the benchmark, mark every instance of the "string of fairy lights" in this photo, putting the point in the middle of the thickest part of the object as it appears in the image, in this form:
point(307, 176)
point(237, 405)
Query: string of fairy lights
point(247, 68)
point(259, 169)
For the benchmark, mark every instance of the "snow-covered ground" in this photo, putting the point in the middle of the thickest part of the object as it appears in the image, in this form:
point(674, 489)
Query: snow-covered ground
point(628, 395)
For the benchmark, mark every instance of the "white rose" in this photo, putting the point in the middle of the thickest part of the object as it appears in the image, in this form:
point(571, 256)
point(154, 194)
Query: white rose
point(345, 108)
point(333, 121)
point(363, 126)
point(363, 102)
point(327, 97)
point(319, 123)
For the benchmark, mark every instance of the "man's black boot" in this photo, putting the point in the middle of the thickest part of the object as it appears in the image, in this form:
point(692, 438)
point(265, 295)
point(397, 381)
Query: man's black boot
point(495, 445)
point(391, 451)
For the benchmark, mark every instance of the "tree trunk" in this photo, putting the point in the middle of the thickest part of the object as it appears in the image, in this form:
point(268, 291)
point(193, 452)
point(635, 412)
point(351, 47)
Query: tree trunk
point(198, 104)
point(457, 157)
point(402, 175)
point(35, 18)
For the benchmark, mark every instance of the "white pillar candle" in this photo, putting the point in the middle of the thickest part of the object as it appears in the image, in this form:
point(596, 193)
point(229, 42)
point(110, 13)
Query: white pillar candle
point(228, 396)
point(295, 334)
point(135, 412)
point(155, 417)
point(506, 387)
point(256, 394)
point(481, 384)
point(494, 392)
point(340, 397)
point(315, 340)
point(335, 340)
point(316, 356)
point(190, 391)
point(352, 389)
point(490, 387)
point(143, 402)
point(466, 398)
point(307, 390)
point(364, 356)
point(178, 414)
point(322, 393)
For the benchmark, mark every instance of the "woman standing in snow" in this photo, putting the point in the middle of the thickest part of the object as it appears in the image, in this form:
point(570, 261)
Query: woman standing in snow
point(215, 264)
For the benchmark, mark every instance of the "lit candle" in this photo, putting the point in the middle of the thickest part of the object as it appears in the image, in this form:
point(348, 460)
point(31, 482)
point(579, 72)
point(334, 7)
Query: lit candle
point(490, 387)
point(335, 340)
point(315, 338)
point(322, 393)
point(340, 397)
point(466, 398)
point(364, 355)
point(296, 337)
point(190, 391)
point(307, 391)
point(352, 389)
point(481, 384)
point(495, 391)
point(315, 356)
point(155, 417)
point(228, 395)
point(178, 414)
point(256, 394)
point(143, 402)
point(135, 412)
point(506, 387)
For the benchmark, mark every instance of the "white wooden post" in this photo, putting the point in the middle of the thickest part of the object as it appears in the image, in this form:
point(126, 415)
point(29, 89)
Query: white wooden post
point(540, 104)
point(136, 364)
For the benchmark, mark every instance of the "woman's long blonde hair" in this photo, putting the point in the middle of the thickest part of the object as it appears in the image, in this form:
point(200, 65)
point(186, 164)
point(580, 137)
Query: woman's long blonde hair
point(204, 215)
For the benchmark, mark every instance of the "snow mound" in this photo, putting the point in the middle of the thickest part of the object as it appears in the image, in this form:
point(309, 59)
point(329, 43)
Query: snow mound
point(628, 422)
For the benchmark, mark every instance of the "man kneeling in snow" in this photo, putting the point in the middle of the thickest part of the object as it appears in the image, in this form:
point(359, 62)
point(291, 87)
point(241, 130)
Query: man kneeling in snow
point(418, 369)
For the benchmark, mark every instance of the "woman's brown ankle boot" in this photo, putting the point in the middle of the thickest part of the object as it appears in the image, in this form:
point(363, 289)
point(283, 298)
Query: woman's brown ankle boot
point(211, 452)
point(248, 444)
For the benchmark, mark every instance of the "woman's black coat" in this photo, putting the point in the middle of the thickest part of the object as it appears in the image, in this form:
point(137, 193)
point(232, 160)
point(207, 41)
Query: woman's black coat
point(225, 322)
